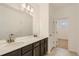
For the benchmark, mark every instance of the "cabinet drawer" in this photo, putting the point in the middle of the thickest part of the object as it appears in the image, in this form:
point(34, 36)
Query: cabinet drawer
point(36, 44)
point(14, 53)
point(42, 49)
point(37, 51)
point(29, 53)
point(46, 45)
point(26, 49)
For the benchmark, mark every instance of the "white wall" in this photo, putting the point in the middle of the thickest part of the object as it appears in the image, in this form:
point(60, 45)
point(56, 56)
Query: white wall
point(16, 6)
point(40, 19)
point(70, 11)
point(44, 20)
point(36, 19)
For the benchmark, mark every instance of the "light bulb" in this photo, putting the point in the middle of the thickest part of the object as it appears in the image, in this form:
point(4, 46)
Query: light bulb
point(32, 10)
point(28, 7)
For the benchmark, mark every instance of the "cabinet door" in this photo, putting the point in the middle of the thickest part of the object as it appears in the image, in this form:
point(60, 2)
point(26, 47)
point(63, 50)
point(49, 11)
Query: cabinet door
point(46, 45)
point(42, 49)
point(25, 49)
point(14, 53)
point(37, 51)
point(29, 53)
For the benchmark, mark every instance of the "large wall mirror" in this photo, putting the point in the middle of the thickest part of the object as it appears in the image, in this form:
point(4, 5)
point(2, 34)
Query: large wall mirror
point(15, 22)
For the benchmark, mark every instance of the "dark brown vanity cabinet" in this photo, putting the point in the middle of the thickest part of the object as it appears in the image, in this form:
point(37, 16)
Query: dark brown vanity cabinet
point(38, 48)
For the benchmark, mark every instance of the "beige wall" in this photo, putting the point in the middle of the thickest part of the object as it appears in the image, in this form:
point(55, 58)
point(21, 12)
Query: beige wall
point(70, 11)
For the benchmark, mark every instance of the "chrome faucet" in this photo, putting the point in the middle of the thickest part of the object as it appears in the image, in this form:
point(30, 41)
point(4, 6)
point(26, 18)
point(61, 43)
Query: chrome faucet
point(11, 38)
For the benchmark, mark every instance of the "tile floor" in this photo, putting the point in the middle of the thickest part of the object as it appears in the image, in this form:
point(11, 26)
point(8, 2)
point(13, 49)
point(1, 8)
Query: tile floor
point(62, 52)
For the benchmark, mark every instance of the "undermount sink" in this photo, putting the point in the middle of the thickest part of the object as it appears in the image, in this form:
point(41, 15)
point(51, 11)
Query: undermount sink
point(21, 40)
point(24, 39)
point(2, 45)
point(10, 45)
point(15, 44)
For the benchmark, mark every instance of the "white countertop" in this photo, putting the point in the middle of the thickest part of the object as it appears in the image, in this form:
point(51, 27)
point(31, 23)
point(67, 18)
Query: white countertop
point(19, 43)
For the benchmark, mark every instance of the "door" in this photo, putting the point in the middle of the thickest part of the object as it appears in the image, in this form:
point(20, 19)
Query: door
point(52, 34)
point(62, 32)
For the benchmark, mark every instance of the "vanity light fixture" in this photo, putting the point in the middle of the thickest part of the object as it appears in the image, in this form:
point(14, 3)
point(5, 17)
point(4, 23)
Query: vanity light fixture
point(31, 11)
point(27, 8)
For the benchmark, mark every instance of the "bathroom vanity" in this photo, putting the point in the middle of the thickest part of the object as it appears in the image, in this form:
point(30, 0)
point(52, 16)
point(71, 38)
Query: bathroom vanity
point(33, 47)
